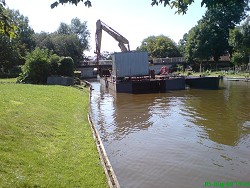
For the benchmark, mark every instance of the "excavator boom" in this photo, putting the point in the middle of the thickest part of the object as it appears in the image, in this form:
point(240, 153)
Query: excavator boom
point(122, 41)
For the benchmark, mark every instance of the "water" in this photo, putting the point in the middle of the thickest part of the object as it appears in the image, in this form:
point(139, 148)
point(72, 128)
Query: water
point(176, 139)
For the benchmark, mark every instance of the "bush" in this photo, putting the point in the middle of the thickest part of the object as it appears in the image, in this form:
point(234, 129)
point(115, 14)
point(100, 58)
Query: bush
point(66, 67)
point(54, 64)
point(36, 67)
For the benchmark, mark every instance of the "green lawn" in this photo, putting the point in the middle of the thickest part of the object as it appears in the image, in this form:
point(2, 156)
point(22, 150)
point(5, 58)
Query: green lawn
point(8, 80)
point(45, 138)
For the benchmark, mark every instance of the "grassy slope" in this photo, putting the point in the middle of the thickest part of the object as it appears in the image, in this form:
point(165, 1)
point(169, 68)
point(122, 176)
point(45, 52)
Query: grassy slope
point(45, 138)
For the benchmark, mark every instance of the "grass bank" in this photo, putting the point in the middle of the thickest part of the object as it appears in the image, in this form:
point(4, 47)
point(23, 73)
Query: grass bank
point(45, 138)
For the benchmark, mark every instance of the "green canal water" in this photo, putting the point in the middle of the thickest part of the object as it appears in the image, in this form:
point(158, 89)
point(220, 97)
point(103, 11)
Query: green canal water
point(191, 138)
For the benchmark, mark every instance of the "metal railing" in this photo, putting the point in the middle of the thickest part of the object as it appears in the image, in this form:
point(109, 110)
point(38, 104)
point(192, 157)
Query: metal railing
point(154, 61)
point(169, 60)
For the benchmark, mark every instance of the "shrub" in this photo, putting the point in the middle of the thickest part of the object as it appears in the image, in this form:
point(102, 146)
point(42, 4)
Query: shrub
point(66, 67)
point(53, 66)
point(36, 67)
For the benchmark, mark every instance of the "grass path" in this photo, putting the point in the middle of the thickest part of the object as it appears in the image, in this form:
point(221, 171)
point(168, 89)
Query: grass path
point(45, 138)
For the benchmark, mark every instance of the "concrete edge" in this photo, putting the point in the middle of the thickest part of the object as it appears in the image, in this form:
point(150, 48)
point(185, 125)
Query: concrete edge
point(109, 172)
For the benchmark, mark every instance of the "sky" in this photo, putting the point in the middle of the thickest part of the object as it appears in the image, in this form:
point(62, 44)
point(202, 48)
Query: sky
point(134, 19)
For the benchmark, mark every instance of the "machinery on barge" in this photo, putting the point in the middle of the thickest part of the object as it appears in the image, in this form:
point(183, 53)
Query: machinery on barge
point(131, 72)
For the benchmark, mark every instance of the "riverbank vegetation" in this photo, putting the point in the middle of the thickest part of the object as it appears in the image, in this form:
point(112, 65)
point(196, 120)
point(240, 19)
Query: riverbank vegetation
point(222, 31)
point(45, 138)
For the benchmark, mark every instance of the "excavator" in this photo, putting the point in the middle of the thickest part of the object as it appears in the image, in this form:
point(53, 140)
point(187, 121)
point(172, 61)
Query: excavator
point(123, 43)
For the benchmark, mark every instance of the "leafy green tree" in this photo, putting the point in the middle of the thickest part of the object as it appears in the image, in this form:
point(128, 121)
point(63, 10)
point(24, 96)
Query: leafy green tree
point(64, 29)
point(69, 40)
point(9, 54)
point(36, 67)
point(239, 39)
point(13, 51)
point(24, 37)
point(43, 40)
point(209, 39)
point(182, 44)
point(66, 67)
point(7, 25)
point(68, 45)
point(54, 65)
point(159, 47)
point(81, 30)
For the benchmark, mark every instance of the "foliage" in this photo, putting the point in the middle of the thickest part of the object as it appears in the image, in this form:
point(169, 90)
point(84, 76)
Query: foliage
point(7, 25)
point(9, 54)
point(159, 47)
point(13, 51)
point(209, 39)
point(56, 3)
point(238, 58)
point(182, 44)
point(24, 37)
point(239, 39)
point(54, 64)
point(36, 68)
point(67, 45)
point(69, 40)
point(66, 67)
point(46, 140)
point(180, 5)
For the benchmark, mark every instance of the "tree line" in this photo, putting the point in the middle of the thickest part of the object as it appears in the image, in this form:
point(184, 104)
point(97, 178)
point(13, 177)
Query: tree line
point(220, 31)
point(69, 40)
point(223, 30)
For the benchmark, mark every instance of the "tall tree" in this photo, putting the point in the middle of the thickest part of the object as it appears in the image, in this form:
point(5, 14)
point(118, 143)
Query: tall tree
point(69, 40)
point(159, 47)
point(68, 46)
point(81, 30)
point(13, 51)
point(210, 37)
point(7, 25)
point(240, 41)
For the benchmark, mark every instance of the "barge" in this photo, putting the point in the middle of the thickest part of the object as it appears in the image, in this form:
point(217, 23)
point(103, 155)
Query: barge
point(203, 82)
point(143, 84)
point(131, 74)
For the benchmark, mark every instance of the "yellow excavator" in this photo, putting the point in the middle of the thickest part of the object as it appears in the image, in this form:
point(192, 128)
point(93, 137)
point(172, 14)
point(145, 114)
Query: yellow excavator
point(123, 43)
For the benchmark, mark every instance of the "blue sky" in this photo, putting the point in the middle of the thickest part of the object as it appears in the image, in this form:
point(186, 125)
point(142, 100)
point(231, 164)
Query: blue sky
point(134, 19)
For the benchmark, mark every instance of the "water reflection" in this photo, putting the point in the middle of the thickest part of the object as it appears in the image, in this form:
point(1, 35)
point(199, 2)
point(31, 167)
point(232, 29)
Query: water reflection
point(176, 139)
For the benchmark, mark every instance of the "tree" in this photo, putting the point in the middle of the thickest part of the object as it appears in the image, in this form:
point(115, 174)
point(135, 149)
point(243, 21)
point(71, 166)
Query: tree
point(180, 5)
point(159, 47)
point(69, 40)
point(9, 54)
point(182, 44)
point(239, 39)
point(81, 30)
point(36, 67)
point(209, 39)
point(13, 50)
point(24, 33)
point(68, 46)
point(7, 25)
point(64, 29)
point(66, 67)
point(56, 3)
point(43, 40)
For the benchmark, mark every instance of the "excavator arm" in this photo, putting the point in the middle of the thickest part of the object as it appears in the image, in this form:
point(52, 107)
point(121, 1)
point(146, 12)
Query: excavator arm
point(122, 41)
